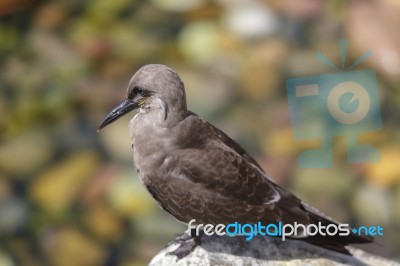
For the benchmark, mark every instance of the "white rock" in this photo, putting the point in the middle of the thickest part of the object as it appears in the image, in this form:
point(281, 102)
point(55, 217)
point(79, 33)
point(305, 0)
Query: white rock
point(264, 251)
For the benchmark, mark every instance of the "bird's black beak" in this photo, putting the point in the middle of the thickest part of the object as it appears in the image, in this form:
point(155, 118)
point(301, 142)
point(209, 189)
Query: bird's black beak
point(119, 111)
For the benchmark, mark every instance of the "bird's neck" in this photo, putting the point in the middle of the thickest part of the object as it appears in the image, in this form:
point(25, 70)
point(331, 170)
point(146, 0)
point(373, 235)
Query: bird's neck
point(162, 114)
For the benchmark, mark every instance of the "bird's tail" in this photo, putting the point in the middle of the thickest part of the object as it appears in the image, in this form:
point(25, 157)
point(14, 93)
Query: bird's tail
point(335, 242)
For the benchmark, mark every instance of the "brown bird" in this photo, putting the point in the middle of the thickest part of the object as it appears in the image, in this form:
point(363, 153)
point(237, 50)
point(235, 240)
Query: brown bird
point(195, 171)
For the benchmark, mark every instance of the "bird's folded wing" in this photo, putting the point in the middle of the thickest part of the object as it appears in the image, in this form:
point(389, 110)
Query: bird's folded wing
point(220, 164)
point(226, 173)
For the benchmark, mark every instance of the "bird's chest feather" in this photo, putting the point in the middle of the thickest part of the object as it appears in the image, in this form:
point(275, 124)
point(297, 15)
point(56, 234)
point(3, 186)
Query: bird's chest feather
point(151, 146)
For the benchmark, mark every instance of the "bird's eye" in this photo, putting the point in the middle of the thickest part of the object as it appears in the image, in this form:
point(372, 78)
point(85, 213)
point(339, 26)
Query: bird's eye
point(138, 90)
point(135, 91)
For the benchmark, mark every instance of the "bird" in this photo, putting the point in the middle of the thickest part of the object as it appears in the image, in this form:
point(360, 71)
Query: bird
point(196, 171)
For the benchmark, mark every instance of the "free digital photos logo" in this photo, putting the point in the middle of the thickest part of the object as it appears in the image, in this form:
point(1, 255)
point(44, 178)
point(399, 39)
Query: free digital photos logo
point(281, 230)
point(343, 103)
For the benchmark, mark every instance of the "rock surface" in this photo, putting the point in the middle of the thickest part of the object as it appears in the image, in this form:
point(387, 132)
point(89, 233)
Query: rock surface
point(264, 251)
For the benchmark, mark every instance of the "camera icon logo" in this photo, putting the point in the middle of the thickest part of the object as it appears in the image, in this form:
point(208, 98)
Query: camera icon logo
point(336, 104)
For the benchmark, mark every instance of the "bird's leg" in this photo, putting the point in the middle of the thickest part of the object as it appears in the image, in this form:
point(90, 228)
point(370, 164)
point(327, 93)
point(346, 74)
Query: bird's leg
point(187, 243)
point(180, 238)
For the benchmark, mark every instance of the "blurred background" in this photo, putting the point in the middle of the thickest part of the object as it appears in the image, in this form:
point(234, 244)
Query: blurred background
point(71, 196)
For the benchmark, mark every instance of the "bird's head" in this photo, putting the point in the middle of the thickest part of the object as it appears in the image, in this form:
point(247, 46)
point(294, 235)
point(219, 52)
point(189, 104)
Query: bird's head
point(153, 87)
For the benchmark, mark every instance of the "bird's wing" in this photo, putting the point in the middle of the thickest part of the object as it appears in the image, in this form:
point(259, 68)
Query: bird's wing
point(223, 168)
point(219, 164)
